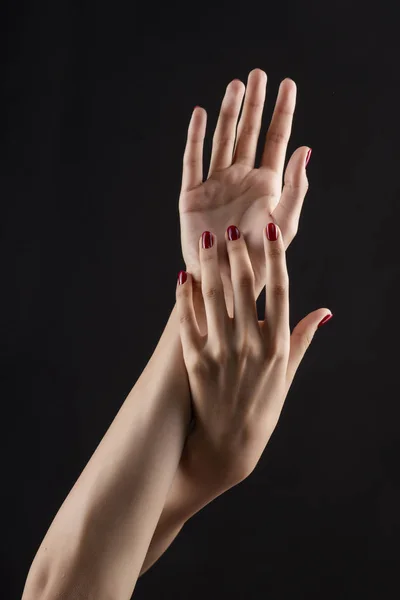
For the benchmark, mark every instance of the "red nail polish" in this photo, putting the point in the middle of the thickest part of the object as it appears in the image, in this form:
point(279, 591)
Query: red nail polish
point(272, 232)
point(207, 239)
point(182, 276)
point(325, 320)
point(308, 156)
point(233, 233)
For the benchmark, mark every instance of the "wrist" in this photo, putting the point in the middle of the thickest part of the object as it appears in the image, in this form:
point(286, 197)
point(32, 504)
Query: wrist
point(199, 484)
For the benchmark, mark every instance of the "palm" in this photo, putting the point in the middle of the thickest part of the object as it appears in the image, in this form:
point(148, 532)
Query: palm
point(236, 193)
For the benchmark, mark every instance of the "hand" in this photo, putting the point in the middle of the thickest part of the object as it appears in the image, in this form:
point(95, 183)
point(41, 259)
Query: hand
point(235, 191)
point(241, 370)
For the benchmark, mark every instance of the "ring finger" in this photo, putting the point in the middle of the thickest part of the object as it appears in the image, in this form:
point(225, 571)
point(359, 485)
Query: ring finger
point(212, 290)
point(276, 324)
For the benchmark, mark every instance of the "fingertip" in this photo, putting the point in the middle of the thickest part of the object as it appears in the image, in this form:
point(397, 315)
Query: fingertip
point(325, 319)
point(182, 278)
point(232, 233)
point(237, 85)
point(290, 82)
point(259, 72)
point(198, 121)
point(308, 156)
point(207, 240)
point(272, 232)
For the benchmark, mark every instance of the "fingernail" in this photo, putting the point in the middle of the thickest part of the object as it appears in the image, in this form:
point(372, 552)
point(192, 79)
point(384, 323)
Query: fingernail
point(233, 232)
point(182, 276)
point(325, 320)
point(207, 239)
point(308, 156)
point(272, 232)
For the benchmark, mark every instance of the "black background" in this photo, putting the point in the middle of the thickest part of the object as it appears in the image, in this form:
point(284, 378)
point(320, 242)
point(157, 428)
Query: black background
point(97, 100)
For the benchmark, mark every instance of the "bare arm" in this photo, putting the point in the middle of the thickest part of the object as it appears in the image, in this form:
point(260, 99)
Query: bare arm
point(97, 542)
point(206, 470)
point(234, 192)
point(183, 501)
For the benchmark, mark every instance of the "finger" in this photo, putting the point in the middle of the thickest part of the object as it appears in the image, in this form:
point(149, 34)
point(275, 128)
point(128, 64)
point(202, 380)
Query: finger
point(250, 120)
point(212, 289)
point(288, 210)
point(188, 327)
point(243, 284)
point(276, 324)
point(278, 133)
point(225, 131)
point(301, 338)
point(192, 172)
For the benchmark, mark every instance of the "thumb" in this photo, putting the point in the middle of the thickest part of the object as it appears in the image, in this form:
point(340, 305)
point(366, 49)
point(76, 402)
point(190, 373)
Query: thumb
point(301, 338)
point(288, 210)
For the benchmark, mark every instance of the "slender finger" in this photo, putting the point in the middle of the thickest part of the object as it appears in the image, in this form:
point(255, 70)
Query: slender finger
point(276, 324)
point(250, 120)
point(212, 289)
point(288, 210)
point(192, 172)
point(243, 284)
point(225, 131)
point(188, 327)
point(278, 133)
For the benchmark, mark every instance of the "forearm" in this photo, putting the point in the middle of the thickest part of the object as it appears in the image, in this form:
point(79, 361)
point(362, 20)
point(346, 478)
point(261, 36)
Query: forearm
point(97, 542)
point(184, 500)
point(169, 528)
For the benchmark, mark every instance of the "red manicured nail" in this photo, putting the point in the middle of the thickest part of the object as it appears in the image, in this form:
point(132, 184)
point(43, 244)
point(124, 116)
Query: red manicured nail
point(207, 239)
point(308, 156)
point(272, 232)
point(325, 320)
point(233, 233)
point(182, 276)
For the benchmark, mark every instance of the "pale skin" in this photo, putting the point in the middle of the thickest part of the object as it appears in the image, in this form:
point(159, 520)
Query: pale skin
point(235, 191)
point(143, 481)
point(241, 369)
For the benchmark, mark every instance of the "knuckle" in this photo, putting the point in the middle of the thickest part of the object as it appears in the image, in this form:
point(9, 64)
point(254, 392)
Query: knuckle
point(279, 351)
point(207, 256)
point(245, 280)
point(256, 351)
point(183, 293)
point(279, 289)
point(249, 129)
point(184, 318)
point(276, 137)
point(304, 339)
point(294, 187)
point(236, 247)
point(211, 292)
point(196, 363)
point(254, 104)
point(219, 355)
point(223, 141)
point(227, 113)
point(275, 252)
point(249, 348)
